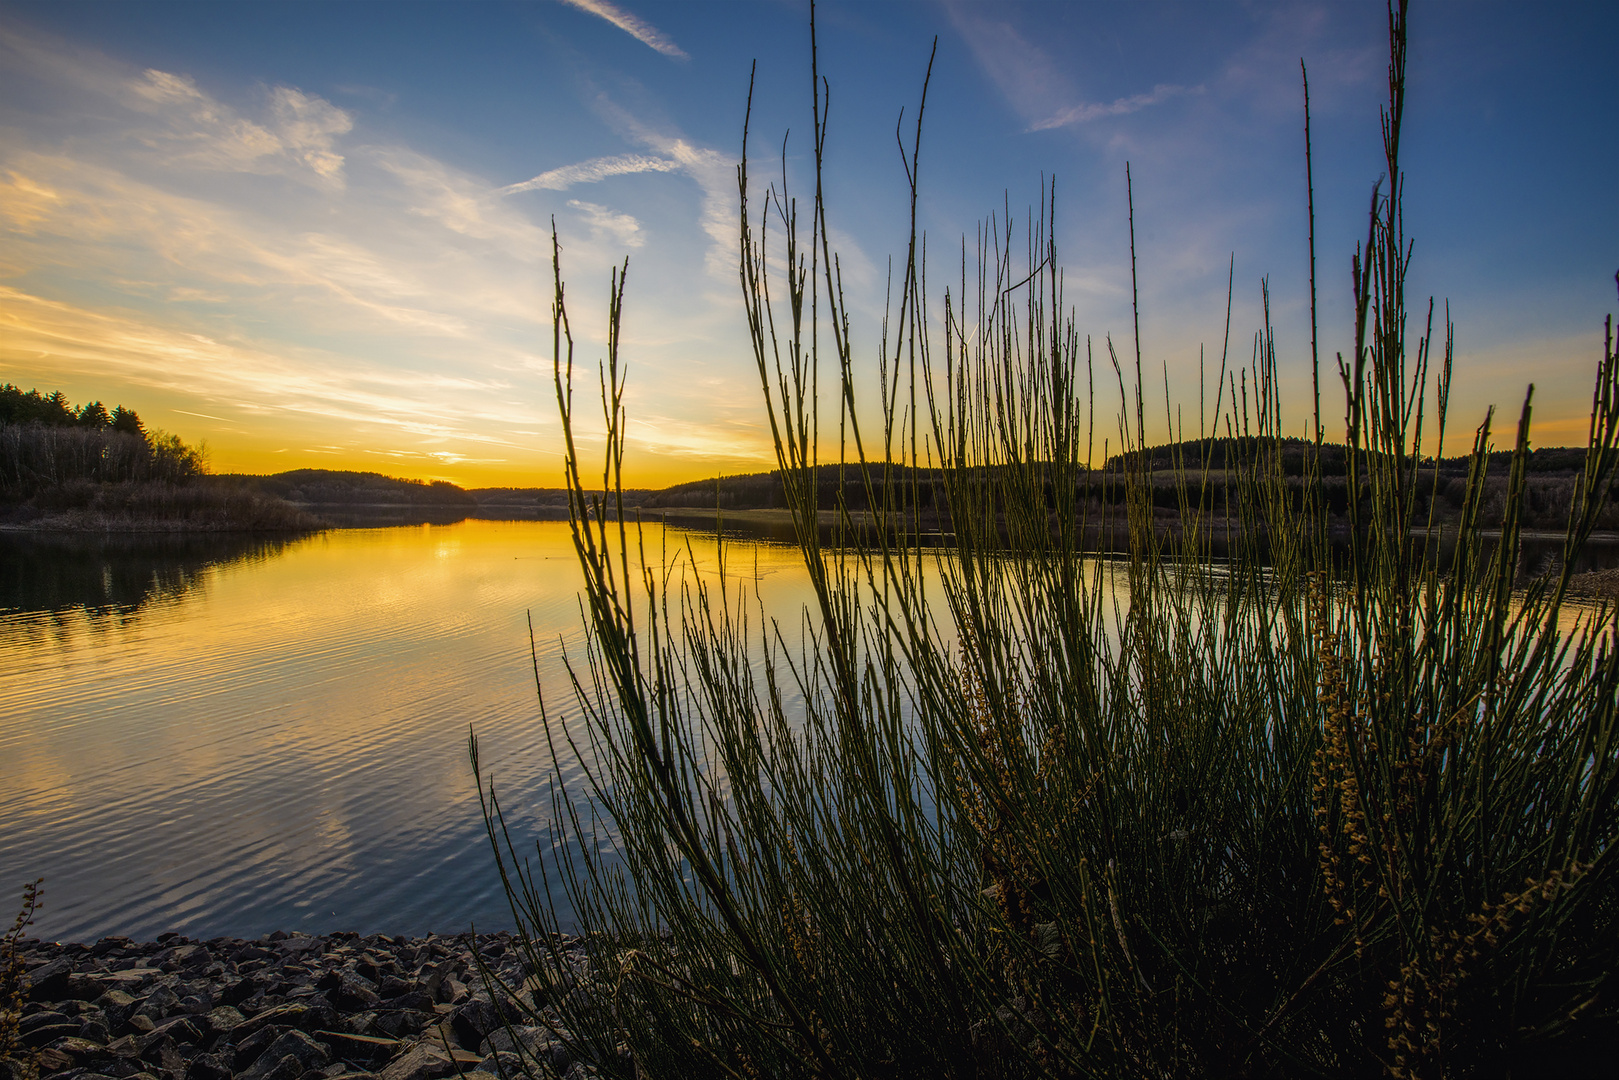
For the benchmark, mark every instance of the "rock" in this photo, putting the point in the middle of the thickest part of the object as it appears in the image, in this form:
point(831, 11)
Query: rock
point(303, 1052)
point(48, 982)
point(83, 986)
point(164, 1053)
point(41, 1035)
point(392, 986)
point(473, 1021)
point(296, 944)
point(533, 1039)
point(234, 991)
point(52, 1061)
point(289, 1015)
point(400, 1022)
point(95, 1029)
point(284, 1068)
point(82, 1051)
point(115, 999)
point(129, 979)
point(127, 1047)
point(219, 1022)
point(226, 1008)
point(158, 1004)
point(249, 1047)
point(366, 1047)
point(420, 1062)
point(180, 1029)
point(501, 1063)
point(419, 1000)
point(44, 1018)
point(207, 1067)
point(353, 993)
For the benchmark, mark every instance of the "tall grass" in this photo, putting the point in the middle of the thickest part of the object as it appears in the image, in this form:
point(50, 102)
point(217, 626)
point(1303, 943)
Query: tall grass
point(1328, 805)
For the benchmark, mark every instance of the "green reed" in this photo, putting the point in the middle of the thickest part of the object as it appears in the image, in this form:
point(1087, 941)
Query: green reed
point(1305, 801)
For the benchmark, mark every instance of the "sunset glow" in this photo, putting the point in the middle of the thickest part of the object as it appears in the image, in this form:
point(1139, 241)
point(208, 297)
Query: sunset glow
point(319, 236)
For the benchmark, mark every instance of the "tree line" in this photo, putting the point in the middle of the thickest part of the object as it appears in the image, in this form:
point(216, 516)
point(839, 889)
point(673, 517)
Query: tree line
point(46, 442)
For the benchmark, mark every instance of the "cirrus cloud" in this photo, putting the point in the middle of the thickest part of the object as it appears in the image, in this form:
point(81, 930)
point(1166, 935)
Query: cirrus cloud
point(633, 25)
point(589, 172)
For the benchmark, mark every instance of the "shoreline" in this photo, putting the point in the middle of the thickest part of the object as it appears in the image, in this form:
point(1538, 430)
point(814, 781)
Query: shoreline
point(287, 1006)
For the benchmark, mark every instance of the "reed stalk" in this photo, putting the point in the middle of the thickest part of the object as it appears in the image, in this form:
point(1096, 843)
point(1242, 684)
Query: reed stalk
point(1263, 796)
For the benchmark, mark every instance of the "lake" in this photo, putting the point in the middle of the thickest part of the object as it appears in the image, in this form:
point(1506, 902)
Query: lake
point(232, 735)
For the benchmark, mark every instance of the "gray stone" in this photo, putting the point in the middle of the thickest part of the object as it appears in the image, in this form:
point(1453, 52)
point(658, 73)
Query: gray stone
point(289, 1015)
point(284, 1068)
point(354, 993)
point(220, 1021)
point(249, 1047)
point(533, 1039)
point(180, 1029)
point(400, 1022)
point(82, 1051)
point(473, 1021)
point(44, 1034)
point(305, 1052)
point(501, 1063)
point(47, 1018)
point(48, 982)
point(421, 1062)
point(158, 1004)
point(115, 999)
point(96, 1029)
point(207, 1067)
point(164, 1053)
point(127, 1047)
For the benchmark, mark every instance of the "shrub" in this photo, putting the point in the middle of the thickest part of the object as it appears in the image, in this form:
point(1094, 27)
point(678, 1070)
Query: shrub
point(14, 986)
point(1303, 809)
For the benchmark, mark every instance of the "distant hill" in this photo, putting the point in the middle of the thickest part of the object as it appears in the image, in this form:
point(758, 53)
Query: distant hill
point(318, 488)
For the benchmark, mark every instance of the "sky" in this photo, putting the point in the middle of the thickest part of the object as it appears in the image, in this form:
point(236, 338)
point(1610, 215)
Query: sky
point(319, 235)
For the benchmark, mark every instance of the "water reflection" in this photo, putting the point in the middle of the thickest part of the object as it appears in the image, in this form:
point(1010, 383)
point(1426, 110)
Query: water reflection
point(274, 735)
point(115, 575)
point(222, 735)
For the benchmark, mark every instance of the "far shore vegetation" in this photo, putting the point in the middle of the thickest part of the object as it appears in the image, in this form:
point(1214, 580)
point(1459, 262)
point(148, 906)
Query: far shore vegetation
point(74, 469)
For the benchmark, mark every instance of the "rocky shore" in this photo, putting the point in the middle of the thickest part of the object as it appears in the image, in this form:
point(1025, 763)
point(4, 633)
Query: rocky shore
point(285, 1007)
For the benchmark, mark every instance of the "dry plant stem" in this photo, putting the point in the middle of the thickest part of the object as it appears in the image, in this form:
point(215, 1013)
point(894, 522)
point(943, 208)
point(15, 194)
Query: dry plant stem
point(14, 978)
point(1259, 796)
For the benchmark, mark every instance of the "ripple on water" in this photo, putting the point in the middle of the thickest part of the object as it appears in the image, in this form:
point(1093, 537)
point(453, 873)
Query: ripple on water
point(279, 741)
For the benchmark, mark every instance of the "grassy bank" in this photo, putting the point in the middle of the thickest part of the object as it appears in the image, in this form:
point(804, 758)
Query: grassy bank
point(1322, 796)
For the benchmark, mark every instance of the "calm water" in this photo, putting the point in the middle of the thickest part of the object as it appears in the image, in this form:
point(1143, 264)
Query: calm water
point(230, 737)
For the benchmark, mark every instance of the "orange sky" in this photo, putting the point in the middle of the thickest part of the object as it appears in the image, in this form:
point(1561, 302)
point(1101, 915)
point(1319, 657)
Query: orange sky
point(313, 237)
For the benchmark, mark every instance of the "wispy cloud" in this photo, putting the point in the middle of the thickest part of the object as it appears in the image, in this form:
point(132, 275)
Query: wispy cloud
point(258, 263)
point(714, 172)
point(300, 130)
point(633, 25)
point(1084, 113)
point(589, 172)
point(621, 227)
point(1033, 84)
point(205, 368)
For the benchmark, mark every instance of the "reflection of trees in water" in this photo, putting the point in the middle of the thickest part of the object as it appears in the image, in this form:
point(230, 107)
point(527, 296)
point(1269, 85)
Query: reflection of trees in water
point(116, 575)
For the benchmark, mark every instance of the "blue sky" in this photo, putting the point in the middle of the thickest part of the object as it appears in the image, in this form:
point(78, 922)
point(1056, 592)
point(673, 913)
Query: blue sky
point(318, 234)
